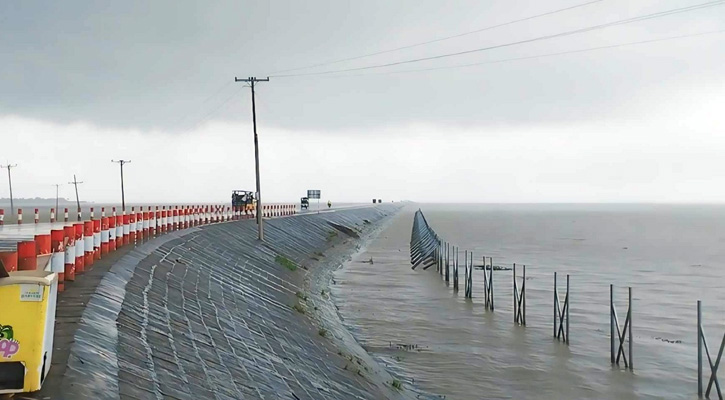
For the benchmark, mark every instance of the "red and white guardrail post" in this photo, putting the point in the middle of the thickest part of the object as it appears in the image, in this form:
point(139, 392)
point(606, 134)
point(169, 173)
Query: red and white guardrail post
point(26, 255)
point(97, 239)
point(88, 252)
point(57, 246)
point(105, 234)
point(79, 248)
point(69, 237)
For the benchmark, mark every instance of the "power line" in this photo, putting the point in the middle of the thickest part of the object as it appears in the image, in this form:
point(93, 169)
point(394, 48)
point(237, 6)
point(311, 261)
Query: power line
point(206, 100)
point(217, 108)
point(224, 86)
point(441, 39)
point(546, 37)
point(612, 46)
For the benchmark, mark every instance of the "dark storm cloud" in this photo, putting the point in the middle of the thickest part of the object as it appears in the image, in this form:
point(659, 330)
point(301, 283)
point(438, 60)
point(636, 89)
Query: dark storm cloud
point(163, 64)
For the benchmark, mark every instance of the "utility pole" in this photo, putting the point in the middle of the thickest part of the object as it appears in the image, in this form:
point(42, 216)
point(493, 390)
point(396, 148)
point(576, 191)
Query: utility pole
point(78, 201)
point(123, 194)
point(251, 80)
point(10, 182)
point(57, 185)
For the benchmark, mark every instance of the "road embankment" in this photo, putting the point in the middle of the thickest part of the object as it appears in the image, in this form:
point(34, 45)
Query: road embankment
point(211, 312)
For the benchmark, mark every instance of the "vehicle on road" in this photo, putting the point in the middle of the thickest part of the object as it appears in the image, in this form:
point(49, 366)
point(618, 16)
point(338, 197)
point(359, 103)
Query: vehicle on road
point(243, 200)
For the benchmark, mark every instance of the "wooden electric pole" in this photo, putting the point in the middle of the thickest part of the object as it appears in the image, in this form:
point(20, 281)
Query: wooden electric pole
point(10, 182)
point(260, 222)
point(57, 185)
point(78, 201)
point(123, 194)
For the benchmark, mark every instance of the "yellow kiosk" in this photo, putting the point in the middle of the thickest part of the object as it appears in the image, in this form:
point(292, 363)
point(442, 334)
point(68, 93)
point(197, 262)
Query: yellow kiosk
point(27, 321)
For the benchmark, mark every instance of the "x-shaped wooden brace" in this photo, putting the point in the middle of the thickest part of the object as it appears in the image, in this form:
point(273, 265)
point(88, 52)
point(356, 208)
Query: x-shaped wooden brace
point(561, 333)
point(433, 258)
point(469, 281)
point(622, 334)
point(713, 367)
point(519, 297)
point(466, 280)
point(488, 285)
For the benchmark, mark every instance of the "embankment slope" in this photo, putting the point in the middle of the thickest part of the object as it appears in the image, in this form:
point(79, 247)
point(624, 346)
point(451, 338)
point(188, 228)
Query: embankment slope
point(212, 313)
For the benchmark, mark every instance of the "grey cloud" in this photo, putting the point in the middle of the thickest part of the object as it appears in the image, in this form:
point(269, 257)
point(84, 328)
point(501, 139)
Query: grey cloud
point(151, 65)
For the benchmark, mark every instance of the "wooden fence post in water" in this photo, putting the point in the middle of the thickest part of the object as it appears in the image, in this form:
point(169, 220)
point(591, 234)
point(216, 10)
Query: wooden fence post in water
point(423, 243)
point(488, 284)
point(519, 299)
point(465, 271)
point(702, 344)
point(469, 277)
point(621, 334)
point(455, 269)
point(448, 271)
point(455, 273)
point(441, 254)
point(437, 254)
point(454, 262)
point(442, 259)
point(561, 314)
point(458, 266)
point(465, 276)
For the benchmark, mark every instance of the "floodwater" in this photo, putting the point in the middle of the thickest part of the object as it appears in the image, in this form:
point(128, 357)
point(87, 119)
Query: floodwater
point(672, 255)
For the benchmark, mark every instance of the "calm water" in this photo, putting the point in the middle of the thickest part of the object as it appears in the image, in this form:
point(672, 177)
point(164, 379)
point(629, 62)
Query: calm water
point(671, 256)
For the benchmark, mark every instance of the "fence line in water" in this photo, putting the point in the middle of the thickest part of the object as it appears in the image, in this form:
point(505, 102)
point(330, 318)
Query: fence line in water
point(488, 284)
point(702, 345)
point(520, 299)
point(561, 313)
point(621, 334)
point(428, 249)
point(469, 276)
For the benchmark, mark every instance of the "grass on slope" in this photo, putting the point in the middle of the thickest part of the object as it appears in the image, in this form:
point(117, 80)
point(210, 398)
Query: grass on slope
point(286, 262)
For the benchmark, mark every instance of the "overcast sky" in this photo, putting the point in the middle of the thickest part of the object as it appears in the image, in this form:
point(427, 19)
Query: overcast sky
point(84, 82)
